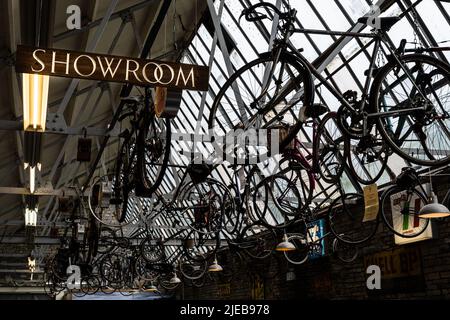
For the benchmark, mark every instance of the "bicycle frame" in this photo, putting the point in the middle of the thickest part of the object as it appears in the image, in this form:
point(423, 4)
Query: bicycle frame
point(284, 45)
point(378, 40)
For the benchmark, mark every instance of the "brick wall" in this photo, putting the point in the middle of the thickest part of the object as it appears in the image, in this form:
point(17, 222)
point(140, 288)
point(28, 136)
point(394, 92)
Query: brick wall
point(328, 277)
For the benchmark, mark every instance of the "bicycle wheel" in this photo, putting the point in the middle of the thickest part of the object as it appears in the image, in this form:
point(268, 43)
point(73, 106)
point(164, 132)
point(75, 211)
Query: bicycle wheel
point(153, 150)
point(301, 253)
point(399, 208)
point(152, 253)
point(258, 241)
point(201, 246)
point(107, 240)
point(253, 180)
point(267, 207)
point(192, 270)
point(260, 95)
point(285, 195)
point(367, 158)
point(164, 281)
point(416, 119)
point(124, 178)
point(90, 285)
point(345, 252)
point(329, 146)
point(300, 174)
point(145, 270)
point(205, 205)
point(346, 217)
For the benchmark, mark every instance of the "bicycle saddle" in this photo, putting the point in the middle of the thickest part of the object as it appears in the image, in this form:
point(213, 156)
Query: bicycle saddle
point(314, 111)
point(199, 172)
point(407, 177)
point(385, 23)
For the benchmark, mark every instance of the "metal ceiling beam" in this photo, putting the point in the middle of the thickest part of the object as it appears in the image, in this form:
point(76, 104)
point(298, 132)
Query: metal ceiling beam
point(57, 241)
point(59, 225)
point(39, 191)
point(226, 57)
point(210, 64)
point(10, 125)
point(13, 255)
point(17, 271)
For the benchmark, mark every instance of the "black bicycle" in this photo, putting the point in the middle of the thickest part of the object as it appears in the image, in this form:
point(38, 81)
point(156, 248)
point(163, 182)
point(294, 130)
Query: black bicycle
point(403, 103)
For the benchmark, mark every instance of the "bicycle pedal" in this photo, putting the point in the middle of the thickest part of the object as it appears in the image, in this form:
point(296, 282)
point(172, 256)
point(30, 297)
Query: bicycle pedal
point(313, 111)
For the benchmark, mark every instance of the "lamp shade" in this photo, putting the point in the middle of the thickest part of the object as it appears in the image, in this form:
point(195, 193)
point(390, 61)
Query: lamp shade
point(433, 211)
point(152, 288)
point(175, 279)
point(215, 267)
point(35, 99)
point(285, 245)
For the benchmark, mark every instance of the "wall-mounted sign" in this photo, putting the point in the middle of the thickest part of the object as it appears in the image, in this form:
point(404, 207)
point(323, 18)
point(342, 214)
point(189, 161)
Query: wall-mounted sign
point(407, 224)
point(90, 66)
point(315, 235)
point(401, 269)
point(371, 203)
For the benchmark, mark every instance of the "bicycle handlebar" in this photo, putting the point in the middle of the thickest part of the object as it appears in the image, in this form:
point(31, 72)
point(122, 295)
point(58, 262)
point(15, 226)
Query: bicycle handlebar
point(252, 16)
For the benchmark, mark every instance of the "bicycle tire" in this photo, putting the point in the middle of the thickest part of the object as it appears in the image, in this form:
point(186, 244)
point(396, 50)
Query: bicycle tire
point(329, 148)
point(149, 179)
point(156, 252)
point(193, 270)
point(367, 173)
point(414, 147)
point(265, 244)
point(303, 81)
point(304, 176)
point(337, 250)
point(222, 196)
point(395, 225)
point(123, 184)
point(347, 222)
point(269, 215)
point(301, 254)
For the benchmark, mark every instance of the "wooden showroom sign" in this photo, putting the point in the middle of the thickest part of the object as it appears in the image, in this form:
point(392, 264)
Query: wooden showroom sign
point(90, 66)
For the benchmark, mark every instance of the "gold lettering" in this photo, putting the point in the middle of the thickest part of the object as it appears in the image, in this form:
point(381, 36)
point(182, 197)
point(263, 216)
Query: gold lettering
point(54, 62)
point(38, 61)
point(186, 80)
point(144, 72)
point(77, 70)
point(128, 71)
point(162, 76)
point(108, 68)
